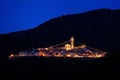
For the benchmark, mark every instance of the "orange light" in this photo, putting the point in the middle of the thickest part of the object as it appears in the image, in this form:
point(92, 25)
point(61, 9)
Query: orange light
point(46, 48)
point(68, 55)
point(76, 56)
point(12, 55)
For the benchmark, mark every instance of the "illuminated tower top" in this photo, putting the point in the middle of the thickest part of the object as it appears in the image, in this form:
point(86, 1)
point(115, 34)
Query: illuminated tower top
point(72, 42)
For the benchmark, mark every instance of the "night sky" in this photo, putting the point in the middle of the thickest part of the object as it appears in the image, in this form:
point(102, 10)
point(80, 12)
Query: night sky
point(18, 15)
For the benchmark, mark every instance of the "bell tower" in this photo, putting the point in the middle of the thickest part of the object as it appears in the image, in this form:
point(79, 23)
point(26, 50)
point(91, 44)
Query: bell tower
point(72, 42)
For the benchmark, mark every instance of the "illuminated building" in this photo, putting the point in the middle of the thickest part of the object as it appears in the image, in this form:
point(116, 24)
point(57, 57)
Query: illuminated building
point(71, 45)
point(72, 42)
point(67, 46)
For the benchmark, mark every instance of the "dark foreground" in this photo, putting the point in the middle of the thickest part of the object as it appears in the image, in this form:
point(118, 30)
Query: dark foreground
point(60, 68)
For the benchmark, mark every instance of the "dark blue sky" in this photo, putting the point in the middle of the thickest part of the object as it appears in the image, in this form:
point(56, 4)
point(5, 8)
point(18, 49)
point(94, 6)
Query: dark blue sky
point(18, 15)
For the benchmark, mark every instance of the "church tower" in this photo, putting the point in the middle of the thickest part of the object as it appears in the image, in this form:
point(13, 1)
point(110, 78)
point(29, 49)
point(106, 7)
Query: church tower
point(72, 42)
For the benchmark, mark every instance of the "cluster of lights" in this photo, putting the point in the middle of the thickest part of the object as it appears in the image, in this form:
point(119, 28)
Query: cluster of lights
point(69, 50)
point(68, 55)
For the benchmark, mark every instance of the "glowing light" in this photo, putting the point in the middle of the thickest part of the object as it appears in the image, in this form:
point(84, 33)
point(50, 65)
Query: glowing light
point(11, 56)
point(83, 46)
point(46, 48)
point(68, 55)
point(42, 54)
point(39, 48)
point(67, 46)
point(76, 56)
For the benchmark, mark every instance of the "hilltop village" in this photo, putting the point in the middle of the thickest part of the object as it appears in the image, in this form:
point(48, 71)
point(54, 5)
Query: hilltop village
point(68, 50)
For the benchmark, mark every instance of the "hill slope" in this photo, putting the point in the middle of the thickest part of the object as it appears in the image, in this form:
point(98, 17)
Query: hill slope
point(97, 28)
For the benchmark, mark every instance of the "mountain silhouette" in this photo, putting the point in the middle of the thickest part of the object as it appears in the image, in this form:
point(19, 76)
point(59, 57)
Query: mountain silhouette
point(97, 28)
